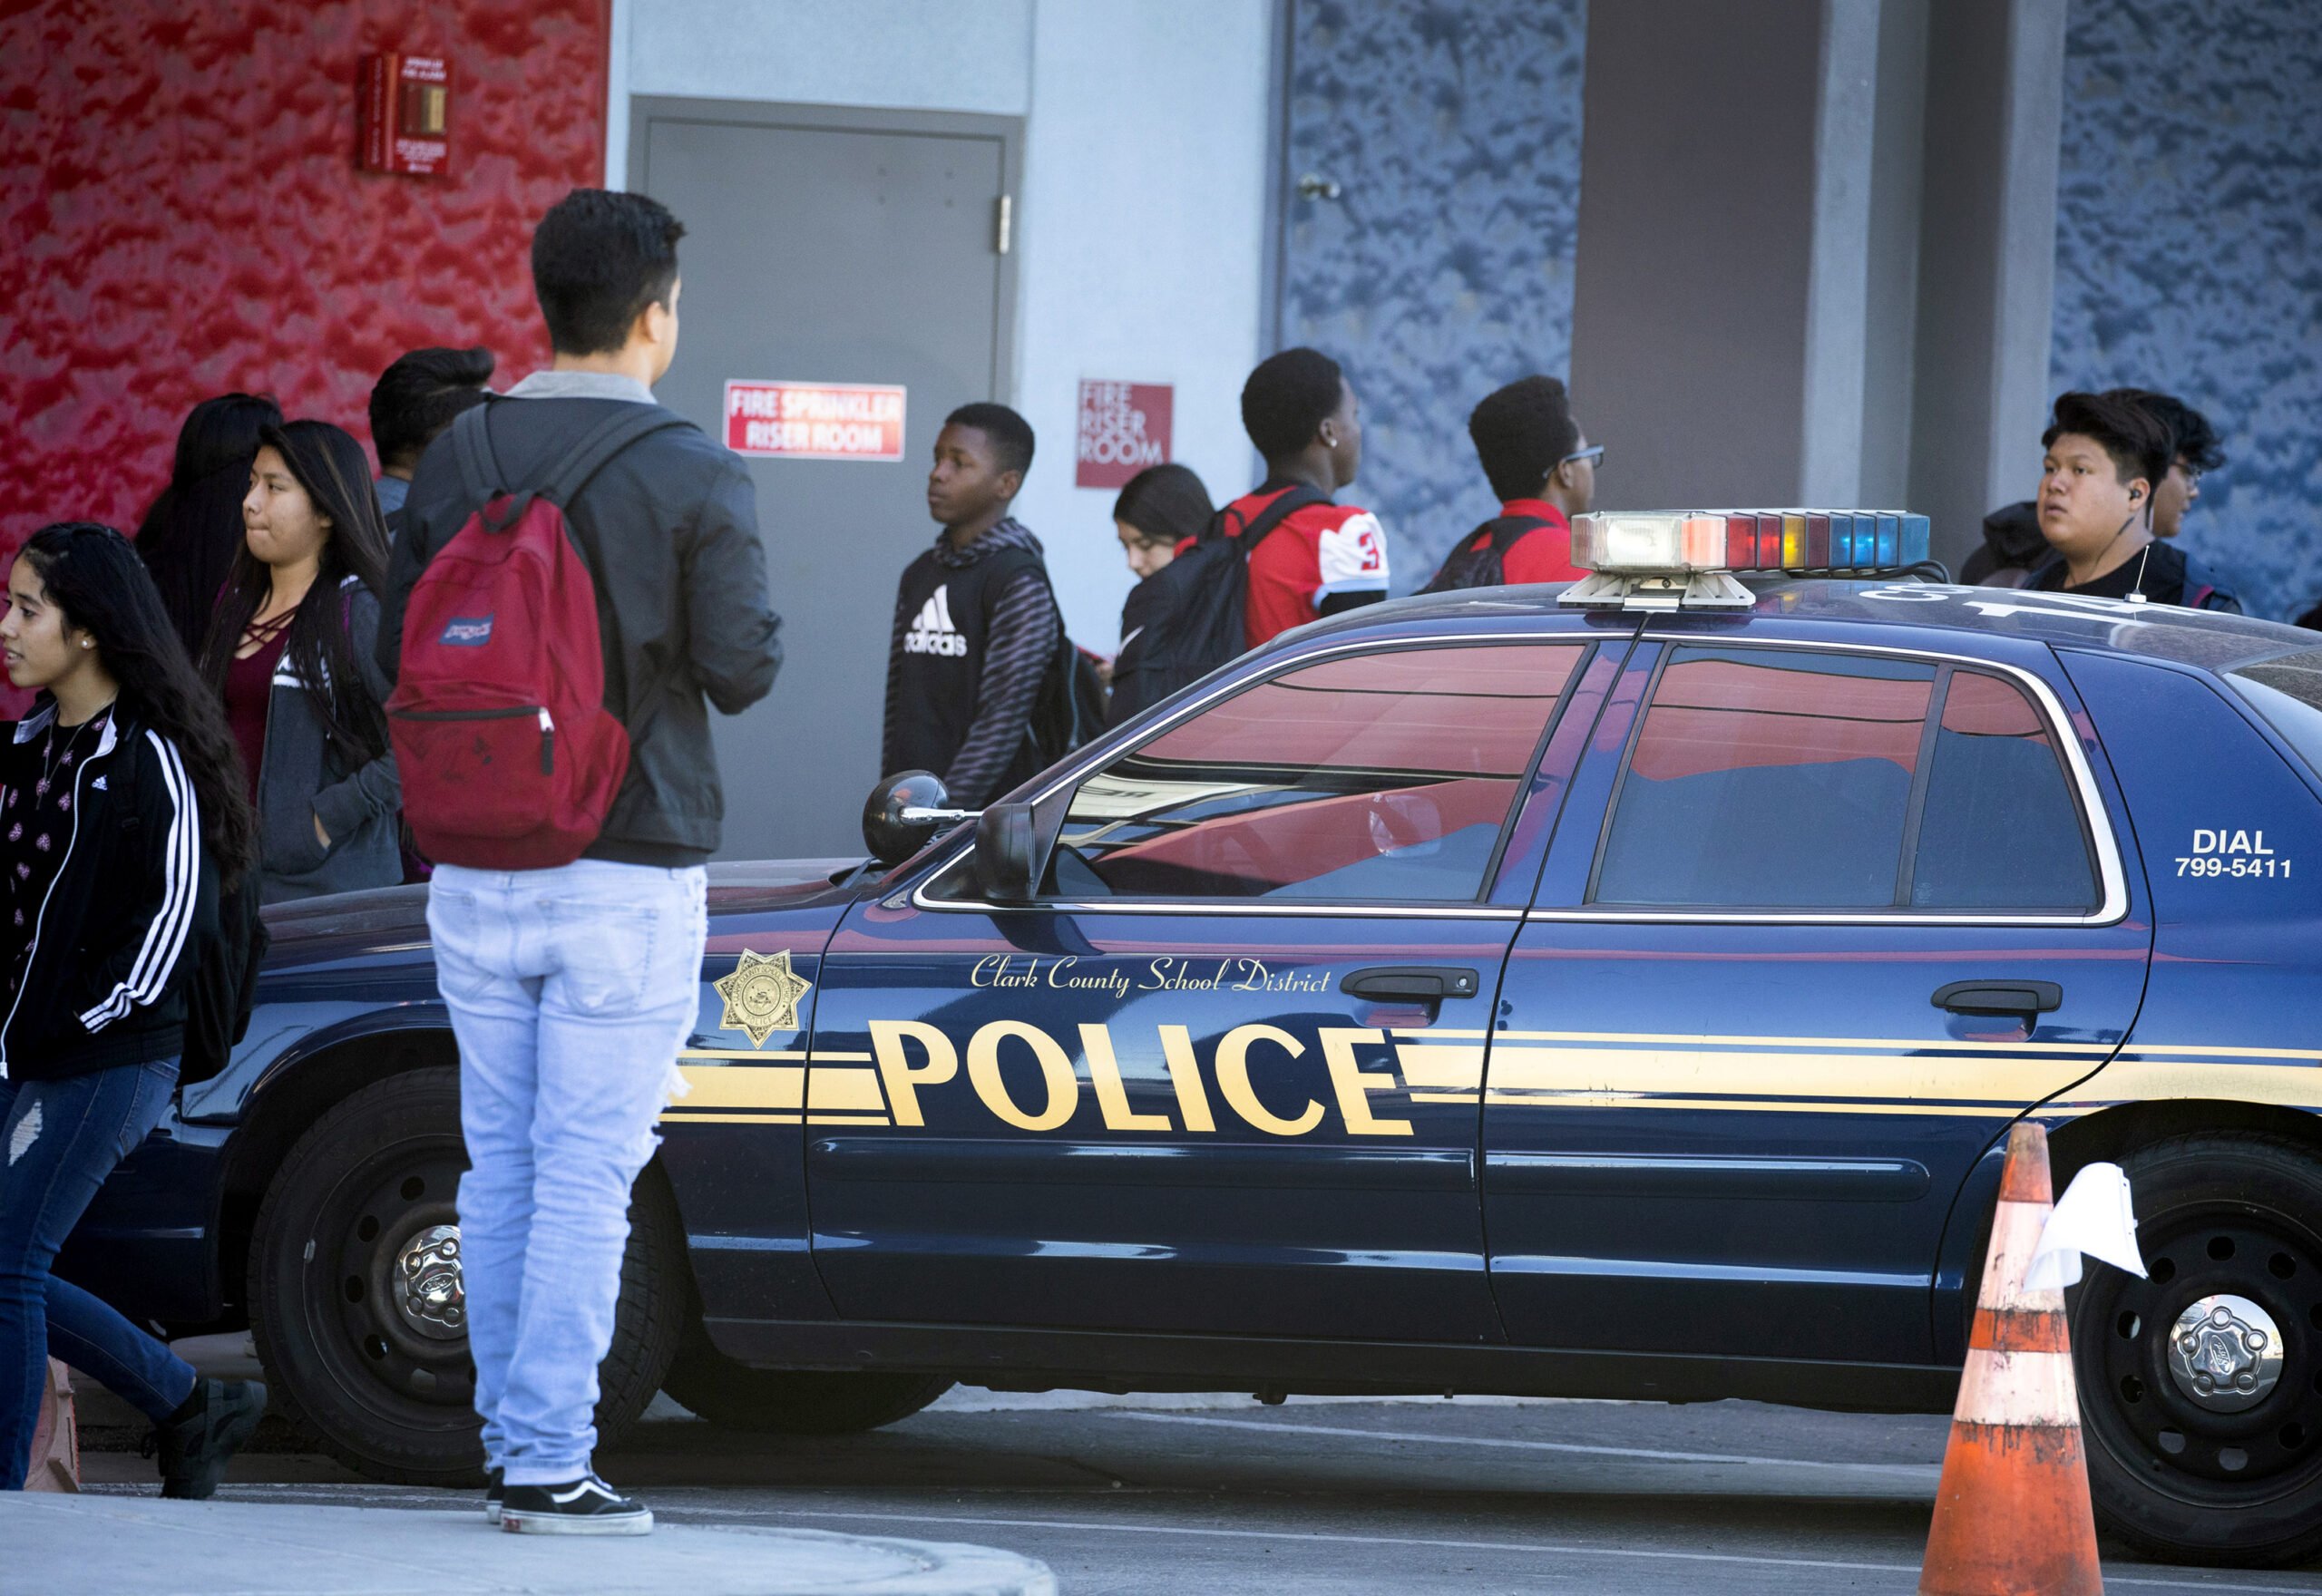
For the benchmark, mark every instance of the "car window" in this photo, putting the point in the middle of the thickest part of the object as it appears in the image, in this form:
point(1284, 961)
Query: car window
point(1770, 779)
point(1378, 777)
point(1767, 780)
point(2000, 828)
point(2286, 690)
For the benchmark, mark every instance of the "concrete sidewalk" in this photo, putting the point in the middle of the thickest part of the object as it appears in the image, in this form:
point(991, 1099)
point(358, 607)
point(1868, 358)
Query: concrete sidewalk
point(113, 1544)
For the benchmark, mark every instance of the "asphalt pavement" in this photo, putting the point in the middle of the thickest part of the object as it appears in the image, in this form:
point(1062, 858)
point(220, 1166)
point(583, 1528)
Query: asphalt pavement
point(1209, 1494)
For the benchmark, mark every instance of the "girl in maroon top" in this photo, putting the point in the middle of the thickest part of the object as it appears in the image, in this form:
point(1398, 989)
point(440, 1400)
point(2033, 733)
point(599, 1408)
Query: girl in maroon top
point(290, 650)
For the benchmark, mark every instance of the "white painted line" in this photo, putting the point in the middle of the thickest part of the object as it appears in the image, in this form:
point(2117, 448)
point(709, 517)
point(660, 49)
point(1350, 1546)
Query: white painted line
point(1919, 1470)
point(1569, 1548)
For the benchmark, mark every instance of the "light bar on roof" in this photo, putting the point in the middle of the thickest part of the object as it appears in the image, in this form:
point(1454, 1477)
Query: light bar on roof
point(1666, 558)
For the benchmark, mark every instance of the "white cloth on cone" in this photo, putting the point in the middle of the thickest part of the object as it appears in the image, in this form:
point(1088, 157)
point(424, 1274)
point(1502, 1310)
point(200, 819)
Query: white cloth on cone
point(2094, 1216)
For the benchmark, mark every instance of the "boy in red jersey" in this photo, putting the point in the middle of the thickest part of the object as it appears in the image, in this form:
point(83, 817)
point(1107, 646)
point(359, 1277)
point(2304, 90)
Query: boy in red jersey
point(1544, 472)
point(1323, 557)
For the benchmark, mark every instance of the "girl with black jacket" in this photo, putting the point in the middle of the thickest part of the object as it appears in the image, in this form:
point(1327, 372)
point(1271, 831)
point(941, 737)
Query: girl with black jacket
point(120, 811)
point(1159, 508)
point(290, 653)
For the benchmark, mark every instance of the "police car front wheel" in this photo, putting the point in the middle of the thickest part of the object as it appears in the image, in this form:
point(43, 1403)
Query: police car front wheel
point(356, 1295)
point(2200, 1386)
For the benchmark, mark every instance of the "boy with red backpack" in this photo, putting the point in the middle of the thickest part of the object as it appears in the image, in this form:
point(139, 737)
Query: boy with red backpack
point(1544, 473)
point(578, 580)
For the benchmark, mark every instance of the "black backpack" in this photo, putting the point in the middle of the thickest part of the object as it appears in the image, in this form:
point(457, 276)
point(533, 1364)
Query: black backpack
point(1196, 607)
point(1470, 567)
point(1070, 708)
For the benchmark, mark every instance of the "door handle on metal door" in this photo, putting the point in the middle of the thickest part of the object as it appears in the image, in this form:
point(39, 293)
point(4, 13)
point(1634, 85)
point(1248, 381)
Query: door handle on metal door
point(2025, 998)
point(1427, 983)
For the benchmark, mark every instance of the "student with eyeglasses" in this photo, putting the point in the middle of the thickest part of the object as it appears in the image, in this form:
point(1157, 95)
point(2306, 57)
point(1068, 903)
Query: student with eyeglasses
point(2013, 544)
point(2105, 454)
point(1542, 467)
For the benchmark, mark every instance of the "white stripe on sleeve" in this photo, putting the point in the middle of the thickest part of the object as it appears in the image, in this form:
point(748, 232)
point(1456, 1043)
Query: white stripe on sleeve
point(165, 938)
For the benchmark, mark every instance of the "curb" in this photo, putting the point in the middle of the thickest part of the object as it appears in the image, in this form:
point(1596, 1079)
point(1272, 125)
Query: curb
point(265, 1548)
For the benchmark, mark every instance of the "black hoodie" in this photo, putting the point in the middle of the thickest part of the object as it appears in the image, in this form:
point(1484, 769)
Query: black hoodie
point(128, 916)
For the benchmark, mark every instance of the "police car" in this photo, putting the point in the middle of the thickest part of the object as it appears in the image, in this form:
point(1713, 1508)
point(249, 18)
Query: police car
point(1622, 991)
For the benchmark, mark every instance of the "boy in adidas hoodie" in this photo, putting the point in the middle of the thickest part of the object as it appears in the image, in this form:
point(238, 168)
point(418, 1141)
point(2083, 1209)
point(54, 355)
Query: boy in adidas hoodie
point(1302, 413)
point(976, 625)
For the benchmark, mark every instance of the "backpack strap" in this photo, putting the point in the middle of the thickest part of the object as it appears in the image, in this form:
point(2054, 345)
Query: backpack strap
point(1289, 503)
point(596, 449)
point(481, 475)
point(1497, 535)
point(1510, 530)
point(472, 448)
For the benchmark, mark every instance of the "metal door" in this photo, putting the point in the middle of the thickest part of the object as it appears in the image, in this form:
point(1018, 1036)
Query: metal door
point(835, 247)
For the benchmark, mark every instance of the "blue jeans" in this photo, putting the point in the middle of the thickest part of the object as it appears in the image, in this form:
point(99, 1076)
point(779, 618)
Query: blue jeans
point(571, 990)
point(62, 1139)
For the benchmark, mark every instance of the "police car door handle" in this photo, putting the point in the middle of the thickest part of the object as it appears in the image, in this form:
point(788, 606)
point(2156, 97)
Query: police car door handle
point(1428, 983)
point(2018, 997)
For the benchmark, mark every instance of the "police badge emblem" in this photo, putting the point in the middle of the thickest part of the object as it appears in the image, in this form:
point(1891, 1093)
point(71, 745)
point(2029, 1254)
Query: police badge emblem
point(762, 995)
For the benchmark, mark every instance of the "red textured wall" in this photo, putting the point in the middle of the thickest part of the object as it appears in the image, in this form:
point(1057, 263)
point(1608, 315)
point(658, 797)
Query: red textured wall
point(181, 216)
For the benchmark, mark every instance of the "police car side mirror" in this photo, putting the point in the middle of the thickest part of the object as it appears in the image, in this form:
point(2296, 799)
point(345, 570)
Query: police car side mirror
point(904, 813)
point(1007, 859)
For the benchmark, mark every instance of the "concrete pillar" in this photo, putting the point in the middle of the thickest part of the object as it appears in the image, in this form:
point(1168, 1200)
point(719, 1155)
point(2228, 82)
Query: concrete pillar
point(1690, 293)
point(1995, 110)
point(1817, 252)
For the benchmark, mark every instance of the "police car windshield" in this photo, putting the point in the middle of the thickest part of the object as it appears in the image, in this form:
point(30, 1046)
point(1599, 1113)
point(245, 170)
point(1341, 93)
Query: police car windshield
point(2286, 690)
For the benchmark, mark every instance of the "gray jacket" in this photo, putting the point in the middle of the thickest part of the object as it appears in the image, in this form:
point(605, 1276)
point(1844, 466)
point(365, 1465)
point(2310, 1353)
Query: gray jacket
point(669, 528)
point(300, 780)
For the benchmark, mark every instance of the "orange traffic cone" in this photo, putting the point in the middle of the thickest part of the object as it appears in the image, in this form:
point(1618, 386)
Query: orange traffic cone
point(56, 1436)
point(2012, 1515)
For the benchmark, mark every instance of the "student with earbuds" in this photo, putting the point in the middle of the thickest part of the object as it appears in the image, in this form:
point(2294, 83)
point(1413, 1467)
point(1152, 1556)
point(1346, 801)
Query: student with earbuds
point(2105, 454)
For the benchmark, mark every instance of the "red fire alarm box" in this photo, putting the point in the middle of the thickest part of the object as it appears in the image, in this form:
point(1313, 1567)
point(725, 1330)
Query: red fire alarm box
point(404, 111)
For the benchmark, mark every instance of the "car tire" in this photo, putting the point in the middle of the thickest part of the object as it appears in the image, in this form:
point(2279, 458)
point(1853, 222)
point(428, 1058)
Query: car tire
point(2171, 1473)
point(791, 1402)
point(385, 1386)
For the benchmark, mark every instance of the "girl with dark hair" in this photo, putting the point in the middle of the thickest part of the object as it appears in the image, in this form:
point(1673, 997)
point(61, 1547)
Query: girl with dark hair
point(289, 652)
point(1159, 508)
point(189, 538)
point(121, 819)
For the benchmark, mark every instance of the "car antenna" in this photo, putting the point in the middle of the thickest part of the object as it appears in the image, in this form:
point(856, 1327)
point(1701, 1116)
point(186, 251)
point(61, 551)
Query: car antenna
point(2136, 589)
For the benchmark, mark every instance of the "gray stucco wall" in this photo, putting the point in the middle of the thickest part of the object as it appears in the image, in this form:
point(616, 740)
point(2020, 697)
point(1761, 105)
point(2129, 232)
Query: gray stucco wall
point(2188, 255)
point(1444, 268)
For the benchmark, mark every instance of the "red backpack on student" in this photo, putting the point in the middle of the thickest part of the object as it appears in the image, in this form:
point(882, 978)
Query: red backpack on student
point(508, 757)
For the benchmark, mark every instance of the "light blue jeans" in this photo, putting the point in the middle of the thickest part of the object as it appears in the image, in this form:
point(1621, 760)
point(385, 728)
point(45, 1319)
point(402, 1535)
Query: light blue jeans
point(571, 990)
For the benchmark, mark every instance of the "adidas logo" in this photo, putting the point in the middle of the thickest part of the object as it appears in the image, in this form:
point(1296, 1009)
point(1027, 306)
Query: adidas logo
point(933, 632)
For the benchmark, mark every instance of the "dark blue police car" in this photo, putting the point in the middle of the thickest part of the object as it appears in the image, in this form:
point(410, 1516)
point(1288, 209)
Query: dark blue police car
point(1471, 994)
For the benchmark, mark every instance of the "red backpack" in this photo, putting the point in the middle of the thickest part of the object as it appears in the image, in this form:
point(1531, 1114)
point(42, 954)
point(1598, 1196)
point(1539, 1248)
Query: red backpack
point(508, 757)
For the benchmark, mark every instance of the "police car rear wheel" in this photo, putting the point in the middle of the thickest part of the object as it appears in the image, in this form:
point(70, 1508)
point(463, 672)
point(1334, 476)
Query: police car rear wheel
point(2201, 1389)
point(357, 1301)
point(792, 1402)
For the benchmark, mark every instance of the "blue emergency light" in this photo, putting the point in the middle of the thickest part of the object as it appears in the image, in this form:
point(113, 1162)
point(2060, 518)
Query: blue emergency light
point(1665, 558)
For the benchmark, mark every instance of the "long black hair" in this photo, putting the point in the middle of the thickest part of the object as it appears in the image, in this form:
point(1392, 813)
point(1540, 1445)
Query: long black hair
point(96, 581)
point(190, 534)
point(1165, 504)
point(331, 466)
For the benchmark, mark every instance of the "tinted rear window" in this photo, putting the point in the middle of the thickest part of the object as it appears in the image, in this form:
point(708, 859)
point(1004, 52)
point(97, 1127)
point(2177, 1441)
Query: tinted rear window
point(1765, 779)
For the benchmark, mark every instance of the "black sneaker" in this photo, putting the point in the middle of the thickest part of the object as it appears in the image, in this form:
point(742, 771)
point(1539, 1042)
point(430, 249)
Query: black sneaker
point(493, 1494)
point(585, 1506)
point(196, 1440)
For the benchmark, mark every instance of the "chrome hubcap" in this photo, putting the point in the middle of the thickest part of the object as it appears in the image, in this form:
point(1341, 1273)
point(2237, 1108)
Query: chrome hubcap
point(2225, 1352)
point(428, 1291)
